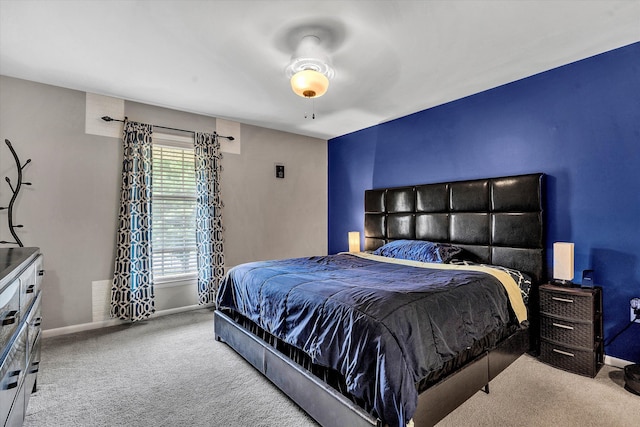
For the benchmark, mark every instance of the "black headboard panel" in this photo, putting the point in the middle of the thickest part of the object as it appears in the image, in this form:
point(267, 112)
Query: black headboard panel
point(496, 220)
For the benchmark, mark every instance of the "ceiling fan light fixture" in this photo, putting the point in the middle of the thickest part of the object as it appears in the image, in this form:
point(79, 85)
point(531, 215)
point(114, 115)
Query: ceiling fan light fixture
point(310, 68)
point(309, 83)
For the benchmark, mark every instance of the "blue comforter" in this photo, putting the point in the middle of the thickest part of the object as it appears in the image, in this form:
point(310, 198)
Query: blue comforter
point(383, 326)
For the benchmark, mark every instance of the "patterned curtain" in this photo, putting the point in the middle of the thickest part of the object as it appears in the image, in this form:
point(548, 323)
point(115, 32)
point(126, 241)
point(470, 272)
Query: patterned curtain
point(132, 291)
point(208, 216)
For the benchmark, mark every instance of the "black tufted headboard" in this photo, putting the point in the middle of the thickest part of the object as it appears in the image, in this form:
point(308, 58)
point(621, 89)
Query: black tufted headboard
point(496, 220)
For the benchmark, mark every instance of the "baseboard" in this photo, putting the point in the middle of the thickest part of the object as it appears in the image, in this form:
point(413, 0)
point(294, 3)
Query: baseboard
point(113, 322)
point(608, 360)
point(615, 362)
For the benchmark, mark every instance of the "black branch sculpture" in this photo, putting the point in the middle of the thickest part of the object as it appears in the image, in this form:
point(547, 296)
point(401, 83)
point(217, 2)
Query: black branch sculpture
point(14, 190)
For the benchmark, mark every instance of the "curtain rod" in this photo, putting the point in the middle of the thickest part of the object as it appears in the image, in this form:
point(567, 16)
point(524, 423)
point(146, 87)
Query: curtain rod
point(110, 119)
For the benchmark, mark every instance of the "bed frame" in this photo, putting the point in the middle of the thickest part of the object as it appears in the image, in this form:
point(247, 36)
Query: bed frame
point(498, 220)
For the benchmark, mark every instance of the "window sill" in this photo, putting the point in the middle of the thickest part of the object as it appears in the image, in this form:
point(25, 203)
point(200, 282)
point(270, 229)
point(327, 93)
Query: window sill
point(170, 283)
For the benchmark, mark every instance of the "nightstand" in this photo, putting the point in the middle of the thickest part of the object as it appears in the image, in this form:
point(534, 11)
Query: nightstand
point(571, 328)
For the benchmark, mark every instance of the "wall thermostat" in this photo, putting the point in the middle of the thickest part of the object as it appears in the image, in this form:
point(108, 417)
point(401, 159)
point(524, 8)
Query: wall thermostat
point(279, 171)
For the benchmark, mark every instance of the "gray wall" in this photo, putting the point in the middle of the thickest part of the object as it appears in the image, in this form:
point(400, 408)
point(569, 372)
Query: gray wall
point(70, 211)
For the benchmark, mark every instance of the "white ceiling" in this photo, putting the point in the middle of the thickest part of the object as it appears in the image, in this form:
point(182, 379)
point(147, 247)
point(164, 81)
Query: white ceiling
point(227, 58)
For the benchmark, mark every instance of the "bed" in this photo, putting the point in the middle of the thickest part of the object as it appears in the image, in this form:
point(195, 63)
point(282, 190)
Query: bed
point(366, 339)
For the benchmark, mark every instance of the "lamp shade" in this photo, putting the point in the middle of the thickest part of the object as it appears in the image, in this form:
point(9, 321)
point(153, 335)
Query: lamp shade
point(309, 83)
point(563, 260)
point(354, 241)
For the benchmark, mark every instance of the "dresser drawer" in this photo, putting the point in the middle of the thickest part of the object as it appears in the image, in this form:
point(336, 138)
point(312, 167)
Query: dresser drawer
point(567, 305)
point(9, 313)
point(34, 320)
point(28, 287)
point(12, 372)
point(576, 334)
point(581, 362)
point(39, 270)
point(32, 369)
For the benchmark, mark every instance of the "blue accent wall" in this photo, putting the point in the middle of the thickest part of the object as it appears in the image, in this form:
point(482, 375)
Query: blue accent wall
point(579, 124)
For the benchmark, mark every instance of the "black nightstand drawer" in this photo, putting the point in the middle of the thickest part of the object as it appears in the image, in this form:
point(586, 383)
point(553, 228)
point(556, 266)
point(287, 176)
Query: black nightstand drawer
point(571, 333)
point(581, 362)
point(571, 328)
point(569, 305)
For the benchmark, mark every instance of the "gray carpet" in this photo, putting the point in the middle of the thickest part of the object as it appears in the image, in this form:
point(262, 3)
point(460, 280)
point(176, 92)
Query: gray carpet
point(169, 371)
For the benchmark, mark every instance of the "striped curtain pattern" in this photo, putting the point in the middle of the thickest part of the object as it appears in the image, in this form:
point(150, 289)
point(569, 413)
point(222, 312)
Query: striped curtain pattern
point(132, 290)
point(209, 237)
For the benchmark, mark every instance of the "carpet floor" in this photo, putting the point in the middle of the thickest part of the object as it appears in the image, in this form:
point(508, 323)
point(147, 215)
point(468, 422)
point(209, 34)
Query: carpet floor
point(170, 371)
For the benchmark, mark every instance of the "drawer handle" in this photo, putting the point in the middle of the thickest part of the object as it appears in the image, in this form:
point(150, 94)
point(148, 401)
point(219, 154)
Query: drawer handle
point(558, 325)
point(37, 321)
point(562, 299)
point(10, 318)
point(566, 353)
point(30, 289)
point(40, 272)
point(12, 376)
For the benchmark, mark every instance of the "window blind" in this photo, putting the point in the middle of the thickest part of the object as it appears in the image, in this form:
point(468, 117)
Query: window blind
point(173, 212)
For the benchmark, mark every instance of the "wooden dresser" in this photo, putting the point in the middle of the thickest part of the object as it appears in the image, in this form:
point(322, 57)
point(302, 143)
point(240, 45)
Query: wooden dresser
point(20, 300)
point(571, 336)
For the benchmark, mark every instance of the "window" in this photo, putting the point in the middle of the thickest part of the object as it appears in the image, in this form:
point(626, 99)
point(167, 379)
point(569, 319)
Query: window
point(173, 209)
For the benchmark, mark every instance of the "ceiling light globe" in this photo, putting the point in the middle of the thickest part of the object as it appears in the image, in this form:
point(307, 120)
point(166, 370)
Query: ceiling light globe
point(309, 83)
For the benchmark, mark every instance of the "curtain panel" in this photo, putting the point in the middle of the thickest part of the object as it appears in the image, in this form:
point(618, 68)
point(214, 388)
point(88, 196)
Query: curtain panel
point(132, 291)
point(209, 238)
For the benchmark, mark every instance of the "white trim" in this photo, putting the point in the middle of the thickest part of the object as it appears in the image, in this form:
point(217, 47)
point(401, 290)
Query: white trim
point(113, 322)
point(97, 106)
point(81, 327)
point(180, 309)
point(229, 128)
point(608, 360)
point(615, 362)
point(171, 140)
point(101, 300)
point(170, 283)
